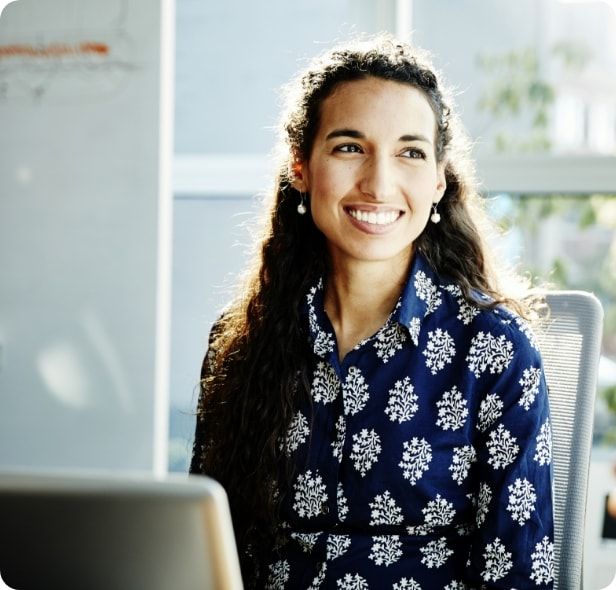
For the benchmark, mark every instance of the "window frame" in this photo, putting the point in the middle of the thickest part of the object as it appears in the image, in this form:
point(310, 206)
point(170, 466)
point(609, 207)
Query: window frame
point(203, 175)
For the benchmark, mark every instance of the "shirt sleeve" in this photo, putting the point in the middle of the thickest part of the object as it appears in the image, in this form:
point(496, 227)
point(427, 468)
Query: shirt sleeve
point(512, 546)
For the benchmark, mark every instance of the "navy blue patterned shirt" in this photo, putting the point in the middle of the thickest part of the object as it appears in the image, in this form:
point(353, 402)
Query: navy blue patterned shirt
point(423, 460)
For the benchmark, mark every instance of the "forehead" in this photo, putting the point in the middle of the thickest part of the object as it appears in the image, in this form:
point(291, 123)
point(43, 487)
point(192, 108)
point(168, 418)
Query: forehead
point(386, 105)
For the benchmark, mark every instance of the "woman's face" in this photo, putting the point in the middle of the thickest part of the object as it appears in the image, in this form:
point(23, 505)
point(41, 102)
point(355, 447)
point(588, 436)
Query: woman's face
point(372, 174)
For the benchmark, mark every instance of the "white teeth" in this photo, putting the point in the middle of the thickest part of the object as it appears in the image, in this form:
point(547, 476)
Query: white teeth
point(380, 218)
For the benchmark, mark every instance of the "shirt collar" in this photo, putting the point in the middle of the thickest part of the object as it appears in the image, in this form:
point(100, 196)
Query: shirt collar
point(421, 295)
point(320, 329)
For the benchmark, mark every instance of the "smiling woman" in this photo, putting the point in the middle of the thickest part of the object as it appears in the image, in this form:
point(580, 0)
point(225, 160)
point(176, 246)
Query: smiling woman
point(373, 401)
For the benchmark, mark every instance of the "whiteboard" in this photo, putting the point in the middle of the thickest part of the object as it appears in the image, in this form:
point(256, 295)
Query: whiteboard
point(85, 201)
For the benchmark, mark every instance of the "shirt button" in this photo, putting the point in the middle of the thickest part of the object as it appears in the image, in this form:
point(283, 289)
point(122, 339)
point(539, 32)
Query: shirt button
point(325, 509)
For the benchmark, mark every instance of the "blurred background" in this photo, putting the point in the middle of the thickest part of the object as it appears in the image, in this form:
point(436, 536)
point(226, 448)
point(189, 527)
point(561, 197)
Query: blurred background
point(153, 257)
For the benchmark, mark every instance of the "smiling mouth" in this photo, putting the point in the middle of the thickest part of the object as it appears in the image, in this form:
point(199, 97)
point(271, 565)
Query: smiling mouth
point(374, 218)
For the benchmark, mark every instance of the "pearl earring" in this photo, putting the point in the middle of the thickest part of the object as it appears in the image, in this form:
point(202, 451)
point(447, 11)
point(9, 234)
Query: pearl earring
point(436, 216)
point(301, 208)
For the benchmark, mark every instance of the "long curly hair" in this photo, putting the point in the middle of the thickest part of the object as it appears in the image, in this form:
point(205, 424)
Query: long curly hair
point(254, 375)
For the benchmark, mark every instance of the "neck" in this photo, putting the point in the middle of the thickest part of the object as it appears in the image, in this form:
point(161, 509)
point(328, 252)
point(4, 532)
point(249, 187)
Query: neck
point(359, 297)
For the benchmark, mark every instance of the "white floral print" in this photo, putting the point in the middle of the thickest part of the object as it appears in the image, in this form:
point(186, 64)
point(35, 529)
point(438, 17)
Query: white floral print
point(427, 291)
point(355, 392)
point(530, 386)
point(452, 410)
point(278, 575)
point(337, 545)
point(522, 500)
point(489, 353)
point(490, 410)
point(352, 582)
point(406, 584)
point(435, 553)
point(466, 528)
point(324, 341)
point(325, 383)
point(461, 462)
point(543, 454)
point(297, 433)
point(466, 311)
point(366, 449)
point(384, 510)
point(527, 331)
point(338, 443)
point(386, 549)
point(419, 530)
point(543, 562)
point(343, 508)
point(402, 402)
point(438, 512)
point(414, 329)
point(305, 540)
point(439, 351)
point(502, 448)
point(498, 561)
point(319, 578)
point(483, 503)
point(453, 289)
point(388, 340)
point(416, 459)
point(310, 494)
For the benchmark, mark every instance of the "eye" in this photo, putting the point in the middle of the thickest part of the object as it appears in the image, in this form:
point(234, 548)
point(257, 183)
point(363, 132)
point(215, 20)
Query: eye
point(413, 153)
point(349, 148)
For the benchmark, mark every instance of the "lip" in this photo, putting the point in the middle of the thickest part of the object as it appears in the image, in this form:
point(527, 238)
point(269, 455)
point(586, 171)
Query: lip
point(370, 228)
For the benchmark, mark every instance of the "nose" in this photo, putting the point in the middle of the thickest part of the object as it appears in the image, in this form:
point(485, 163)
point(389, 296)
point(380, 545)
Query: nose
point(376, 180)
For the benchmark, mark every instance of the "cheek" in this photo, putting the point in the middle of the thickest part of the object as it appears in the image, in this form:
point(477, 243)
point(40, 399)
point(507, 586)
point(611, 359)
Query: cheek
point(425, 190)
point(328, 179)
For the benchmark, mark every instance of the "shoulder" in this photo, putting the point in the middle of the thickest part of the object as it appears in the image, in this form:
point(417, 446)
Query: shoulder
point(493, 339)
point(505, 324)
point(478, 316)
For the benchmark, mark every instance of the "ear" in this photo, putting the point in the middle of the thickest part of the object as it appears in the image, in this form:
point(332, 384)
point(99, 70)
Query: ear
point(298, 173)
point(441, 183)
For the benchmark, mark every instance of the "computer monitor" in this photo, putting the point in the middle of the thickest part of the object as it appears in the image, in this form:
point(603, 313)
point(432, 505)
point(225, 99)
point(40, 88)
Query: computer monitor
point(115, 532)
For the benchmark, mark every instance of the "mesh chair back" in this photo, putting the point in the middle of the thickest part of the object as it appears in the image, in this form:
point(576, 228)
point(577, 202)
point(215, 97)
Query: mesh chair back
point(570, 347)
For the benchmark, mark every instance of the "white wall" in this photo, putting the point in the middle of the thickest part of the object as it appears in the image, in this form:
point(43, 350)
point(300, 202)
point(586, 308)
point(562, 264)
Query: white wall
point(84, 233)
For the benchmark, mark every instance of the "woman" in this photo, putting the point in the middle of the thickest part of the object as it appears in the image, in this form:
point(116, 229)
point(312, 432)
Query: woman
point(373, 401)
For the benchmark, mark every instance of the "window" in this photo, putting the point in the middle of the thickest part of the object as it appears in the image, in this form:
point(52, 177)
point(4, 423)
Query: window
point(568, 241)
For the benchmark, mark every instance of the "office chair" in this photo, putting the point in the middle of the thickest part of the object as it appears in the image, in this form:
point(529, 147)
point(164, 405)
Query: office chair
point(570, 346)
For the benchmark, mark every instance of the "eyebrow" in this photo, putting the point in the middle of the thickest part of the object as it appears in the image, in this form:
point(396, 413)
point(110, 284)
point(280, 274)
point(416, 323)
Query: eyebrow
point(359, 135)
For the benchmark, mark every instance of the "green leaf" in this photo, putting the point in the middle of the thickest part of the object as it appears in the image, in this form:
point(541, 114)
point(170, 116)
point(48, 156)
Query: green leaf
point(588, 216)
